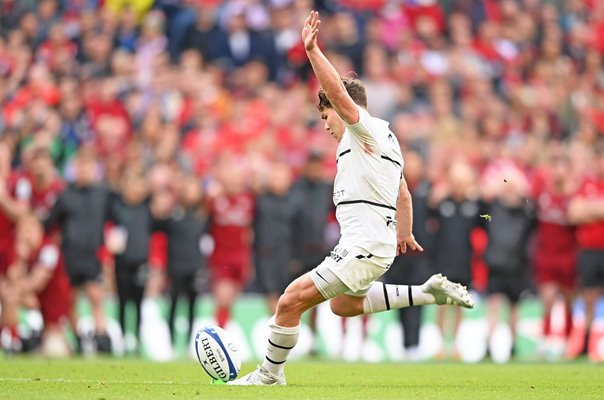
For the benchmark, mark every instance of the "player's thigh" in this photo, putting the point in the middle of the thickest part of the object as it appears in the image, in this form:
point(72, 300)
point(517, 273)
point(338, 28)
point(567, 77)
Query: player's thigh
point(354, 267)
point(326, 279)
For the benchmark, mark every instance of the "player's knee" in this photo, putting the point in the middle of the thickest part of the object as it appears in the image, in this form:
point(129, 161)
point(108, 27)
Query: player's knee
point(287, 303)
point(291, 304)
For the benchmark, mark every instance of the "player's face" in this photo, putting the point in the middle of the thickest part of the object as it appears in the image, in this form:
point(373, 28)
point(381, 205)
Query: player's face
point(280, 179)
point(191, 193)
point(162, 203)
point(135, 189)
point(559, 168)
point(41, 166)
point(85, 172)
point(414, 166)
point(333, 123)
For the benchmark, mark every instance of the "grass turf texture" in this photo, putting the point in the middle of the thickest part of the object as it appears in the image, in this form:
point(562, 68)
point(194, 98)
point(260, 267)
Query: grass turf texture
point(109, 379)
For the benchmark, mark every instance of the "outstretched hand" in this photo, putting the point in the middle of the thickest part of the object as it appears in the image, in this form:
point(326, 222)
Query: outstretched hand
point(408, 241)
point(311, 30)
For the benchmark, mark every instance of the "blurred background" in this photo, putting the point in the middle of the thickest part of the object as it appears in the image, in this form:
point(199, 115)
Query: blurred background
point(163, 166)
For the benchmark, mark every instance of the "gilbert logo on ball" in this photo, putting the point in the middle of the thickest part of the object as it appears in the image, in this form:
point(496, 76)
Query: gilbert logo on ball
point(217, 353)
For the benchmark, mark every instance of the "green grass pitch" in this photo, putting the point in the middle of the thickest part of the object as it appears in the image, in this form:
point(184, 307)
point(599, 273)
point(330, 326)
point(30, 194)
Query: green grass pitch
point(109, 379)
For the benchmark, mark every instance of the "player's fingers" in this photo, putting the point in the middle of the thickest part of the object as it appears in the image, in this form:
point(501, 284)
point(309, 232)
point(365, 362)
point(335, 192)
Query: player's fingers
point(398, 249)
point(418, 247)
point(404, 247)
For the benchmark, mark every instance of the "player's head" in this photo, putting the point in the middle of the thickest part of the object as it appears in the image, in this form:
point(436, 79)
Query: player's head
point(85, 167)
point(191, 192)
point(162, 203)
point(231, 176)
point(333, 122)
point(41, 164)
point(313, 169)
point(558, 165)
point(280, 178)
point(462, 179)
point(414, 166)
point(134, 186)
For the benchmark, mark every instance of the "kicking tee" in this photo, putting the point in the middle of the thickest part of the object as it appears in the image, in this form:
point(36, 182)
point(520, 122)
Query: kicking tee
point(370, 169)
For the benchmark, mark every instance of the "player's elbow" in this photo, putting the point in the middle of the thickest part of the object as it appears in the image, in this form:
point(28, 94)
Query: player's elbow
point(344, 105)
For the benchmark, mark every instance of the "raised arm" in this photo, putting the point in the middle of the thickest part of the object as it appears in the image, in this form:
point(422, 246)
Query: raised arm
point(328, 77)
point(404, 218)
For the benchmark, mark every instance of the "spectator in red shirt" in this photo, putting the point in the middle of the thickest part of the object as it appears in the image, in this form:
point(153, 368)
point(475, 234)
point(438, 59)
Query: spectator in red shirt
point(555, 249)
point(45, 181)
point(12, 188)
point(231, 215)
point(586, 210)
point(43, 282)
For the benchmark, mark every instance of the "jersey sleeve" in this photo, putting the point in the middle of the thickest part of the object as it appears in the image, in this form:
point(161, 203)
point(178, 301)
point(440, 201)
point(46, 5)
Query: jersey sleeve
point(362, 129)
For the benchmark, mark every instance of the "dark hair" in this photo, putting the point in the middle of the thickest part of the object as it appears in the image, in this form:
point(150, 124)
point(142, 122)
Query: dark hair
point(355, 90)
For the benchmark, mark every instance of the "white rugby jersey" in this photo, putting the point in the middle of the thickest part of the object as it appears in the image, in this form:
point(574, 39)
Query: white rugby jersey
point(370, 169)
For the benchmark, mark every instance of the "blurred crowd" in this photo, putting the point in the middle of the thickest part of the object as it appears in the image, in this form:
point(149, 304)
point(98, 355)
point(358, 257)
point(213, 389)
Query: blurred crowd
point(172, 147)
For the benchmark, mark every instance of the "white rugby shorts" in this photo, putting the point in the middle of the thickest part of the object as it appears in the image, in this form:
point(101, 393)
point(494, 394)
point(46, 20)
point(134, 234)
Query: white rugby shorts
point(348, 270)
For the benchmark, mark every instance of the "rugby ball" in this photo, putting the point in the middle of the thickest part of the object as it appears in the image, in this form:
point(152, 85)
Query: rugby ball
point(217, 353)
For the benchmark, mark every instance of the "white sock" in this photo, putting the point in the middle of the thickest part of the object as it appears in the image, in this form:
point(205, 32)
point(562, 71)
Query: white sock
point(281, 341)
point(382, 297)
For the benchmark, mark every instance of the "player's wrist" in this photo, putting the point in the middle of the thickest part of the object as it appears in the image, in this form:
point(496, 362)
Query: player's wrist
point(405, 233)
point(313, 50)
